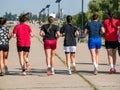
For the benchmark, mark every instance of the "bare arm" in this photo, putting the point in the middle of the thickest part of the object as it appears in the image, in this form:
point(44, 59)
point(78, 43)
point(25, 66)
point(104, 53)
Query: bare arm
point(14, 35)
point(31, 34)
point(9, 35)
point(41, 33)
point(102, 30)
point(58, 34)
point(77, 33)
point(85, 31)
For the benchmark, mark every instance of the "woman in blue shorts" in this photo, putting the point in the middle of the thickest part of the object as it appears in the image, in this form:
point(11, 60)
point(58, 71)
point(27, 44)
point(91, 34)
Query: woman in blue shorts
point(94, 29)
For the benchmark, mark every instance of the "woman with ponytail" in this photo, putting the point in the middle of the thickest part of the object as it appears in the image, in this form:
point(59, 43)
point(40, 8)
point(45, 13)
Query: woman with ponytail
point(111, 39)
point(50, 33)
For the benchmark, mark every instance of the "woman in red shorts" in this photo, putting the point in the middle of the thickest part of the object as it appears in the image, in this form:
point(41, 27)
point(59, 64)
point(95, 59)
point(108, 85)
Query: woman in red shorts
point(50, 33)
point(23, 32)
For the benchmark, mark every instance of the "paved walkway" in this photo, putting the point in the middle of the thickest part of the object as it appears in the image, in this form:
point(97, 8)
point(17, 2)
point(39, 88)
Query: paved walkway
point(38, 80)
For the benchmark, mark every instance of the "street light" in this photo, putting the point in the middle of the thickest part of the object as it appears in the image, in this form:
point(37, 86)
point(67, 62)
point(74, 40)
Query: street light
point(58, 1)
point(81, 32)
point(82, 13)
point(47, 6)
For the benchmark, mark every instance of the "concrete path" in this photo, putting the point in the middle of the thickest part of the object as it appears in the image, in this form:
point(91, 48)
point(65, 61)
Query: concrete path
point(38, 80)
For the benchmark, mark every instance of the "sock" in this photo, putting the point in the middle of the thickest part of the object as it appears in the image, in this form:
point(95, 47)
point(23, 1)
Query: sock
point(52, 69)
point(73, 64)
point(94, 64)
point(111, 66)
point(49, 66)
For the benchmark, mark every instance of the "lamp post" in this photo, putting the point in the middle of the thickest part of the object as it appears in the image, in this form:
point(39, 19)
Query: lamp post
point(47, 6)
point(82, 13)
point(81, 32)
point(58, 1)
point(40, 14)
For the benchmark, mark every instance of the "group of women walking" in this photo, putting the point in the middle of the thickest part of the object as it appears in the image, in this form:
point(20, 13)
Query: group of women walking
point(51, 32)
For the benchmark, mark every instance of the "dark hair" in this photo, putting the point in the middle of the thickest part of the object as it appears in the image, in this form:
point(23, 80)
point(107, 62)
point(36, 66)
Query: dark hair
point(69, 19)
point(94, 16)
point(2, 20)
point(24, 17)
point(111, 13)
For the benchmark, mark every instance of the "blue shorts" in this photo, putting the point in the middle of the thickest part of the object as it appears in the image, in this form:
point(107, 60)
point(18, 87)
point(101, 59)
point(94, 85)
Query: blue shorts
point(94, 43)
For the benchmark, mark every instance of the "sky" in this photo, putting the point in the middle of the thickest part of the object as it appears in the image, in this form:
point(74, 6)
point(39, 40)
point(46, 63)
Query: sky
point(70, 7)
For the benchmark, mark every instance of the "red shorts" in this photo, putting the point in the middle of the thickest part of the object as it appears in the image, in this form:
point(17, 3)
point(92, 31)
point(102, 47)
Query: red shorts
point(50, 44)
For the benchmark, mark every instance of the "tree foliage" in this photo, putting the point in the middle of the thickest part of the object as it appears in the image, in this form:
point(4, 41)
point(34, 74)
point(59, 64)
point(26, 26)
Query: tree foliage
point(101, 7)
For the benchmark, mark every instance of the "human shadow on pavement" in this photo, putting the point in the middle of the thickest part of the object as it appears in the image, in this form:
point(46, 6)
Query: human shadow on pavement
point(36, 72)
point(91, 72)
point(41, 72)
point(92, 64)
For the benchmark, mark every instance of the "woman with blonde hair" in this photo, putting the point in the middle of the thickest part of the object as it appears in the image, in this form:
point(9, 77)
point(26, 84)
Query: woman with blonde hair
point(50, 34)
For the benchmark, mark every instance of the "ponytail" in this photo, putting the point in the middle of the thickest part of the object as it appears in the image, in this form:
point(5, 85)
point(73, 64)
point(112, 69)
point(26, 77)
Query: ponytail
point(111, 15)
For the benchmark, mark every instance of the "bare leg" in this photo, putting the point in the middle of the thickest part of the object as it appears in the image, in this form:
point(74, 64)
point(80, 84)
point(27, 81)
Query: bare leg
point(1, 61)
point(48, 57)
point(93, 55)
point(5, 61)
point(21, 60)
point(112, 59)
point(48, 60)
point(26, 60)
point(72, 56)
point(52, 58)
point(97, 56)
point(68, 61)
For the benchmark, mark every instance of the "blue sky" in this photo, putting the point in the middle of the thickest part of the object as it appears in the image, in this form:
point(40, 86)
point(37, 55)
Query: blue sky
point(70, 7)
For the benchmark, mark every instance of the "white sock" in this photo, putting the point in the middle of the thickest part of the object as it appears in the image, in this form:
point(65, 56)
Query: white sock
point(73, 64)
point(111, 66)
point(49, 66)
point(52, 69)
point(94, 64)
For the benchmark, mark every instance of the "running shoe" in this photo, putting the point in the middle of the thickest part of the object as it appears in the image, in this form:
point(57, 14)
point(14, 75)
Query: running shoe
point(95, 71)
point(6, 70)
point(23, 73)
point(112, 71)
point(69, 71)
point(2, 74)
point(49, 71)
point(74, 69)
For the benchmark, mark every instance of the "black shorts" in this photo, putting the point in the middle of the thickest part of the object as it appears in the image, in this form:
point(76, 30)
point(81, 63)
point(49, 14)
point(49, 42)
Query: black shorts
point(4, 48)
point(111, 44)
point(25, 49)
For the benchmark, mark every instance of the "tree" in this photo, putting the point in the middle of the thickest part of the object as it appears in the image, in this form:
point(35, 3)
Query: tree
point(102, 7)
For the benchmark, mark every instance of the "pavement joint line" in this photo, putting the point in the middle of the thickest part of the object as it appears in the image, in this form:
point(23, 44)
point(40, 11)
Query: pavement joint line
point(85, 79)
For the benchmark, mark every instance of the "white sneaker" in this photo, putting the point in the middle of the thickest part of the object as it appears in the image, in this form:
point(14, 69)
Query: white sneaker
point(69, 71)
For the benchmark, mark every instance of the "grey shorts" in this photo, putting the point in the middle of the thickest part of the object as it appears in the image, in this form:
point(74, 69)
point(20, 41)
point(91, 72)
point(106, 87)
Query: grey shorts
point(70, 49)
